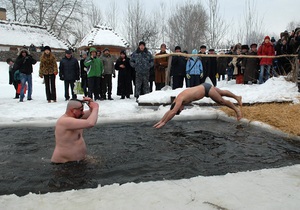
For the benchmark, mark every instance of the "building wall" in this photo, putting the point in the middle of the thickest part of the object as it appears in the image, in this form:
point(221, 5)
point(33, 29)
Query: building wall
point(13, 54)
point(2, 14)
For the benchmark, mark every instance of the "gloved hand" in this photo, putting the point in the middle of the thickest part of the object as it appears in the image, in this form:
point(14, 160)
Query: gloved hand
point(61, 77)
point(217, 75)
point(114, 76)
point(201, 75)
point(188, 76)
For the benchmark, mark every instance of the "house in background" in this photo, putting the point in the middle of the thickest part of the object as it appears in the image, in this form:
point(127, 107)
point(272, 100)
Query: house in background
point(16, 35)
point(101, 37)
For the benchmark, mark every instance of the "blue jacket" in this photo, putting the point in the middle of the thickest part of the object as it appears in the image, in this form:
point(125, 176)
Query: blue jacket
point(192, 68)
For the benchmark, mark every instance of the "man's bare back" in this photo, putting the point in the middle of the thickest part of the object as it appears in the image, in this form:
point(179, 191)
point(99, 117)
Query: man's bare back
point(197, 93)
point(70, 145)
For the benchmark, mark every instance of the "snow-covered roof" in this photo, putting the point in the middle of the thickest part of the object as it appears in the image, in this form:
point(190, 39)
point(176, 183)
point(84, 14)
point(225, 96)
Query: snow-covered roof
point(20, 34)
point(103, 35)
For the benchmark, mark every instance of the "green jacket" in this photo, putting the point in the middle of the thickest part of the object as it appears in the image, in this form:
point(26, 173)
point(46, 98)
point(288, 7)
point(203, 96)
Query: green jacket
point(94, 67)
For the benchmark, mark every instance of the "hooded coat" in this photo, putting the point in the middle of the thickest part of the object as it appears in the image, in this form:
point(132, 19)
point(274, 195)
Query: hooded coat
point(266, 49)
point(24, 64)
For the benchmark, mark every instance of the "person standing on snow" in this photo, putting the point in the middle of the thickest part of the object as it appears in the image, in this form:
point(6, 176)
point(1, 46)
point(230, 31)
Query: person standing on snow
point(24, 64)
point(266, 48)
point(141, 60)
point(48, 71)
point(94, 73)
point(69, 73)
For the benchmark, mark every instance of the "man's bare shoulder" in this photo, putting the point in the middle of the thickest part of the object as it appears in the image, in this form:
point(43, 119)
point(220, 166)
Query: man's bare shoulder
point(64, 119)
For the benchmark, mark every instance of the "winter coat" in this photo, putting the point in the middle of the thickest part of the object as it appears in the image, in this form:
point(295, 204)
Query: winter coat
point(178, 66)
point(108, 64)
point(95, 67)
point(48, 65)
point(141, 61)
point(250, 68)
point(266, 49)
point(192, 68)
point(11, 75)
point(124, 77)
point(83, 69)
point(24, 64)
point(205, 64)
point(212, 67)
point(160, 65)
point(222, 63)
point(69, 69)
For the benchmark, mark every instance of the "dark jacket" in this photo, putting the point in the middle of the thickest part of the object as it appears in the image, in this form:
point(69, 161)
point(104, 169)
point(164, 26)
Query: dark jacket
point(251, 67)
point(141, 61)
point(178, 65)
point(69, 69)
point(83, 69)
point(24, 64)
point(222, 63)
point(124, 77)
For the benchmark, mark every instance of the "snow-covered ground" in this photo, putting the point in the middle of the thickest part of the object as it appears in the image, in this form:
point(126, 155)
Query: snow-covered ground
point(263, 189)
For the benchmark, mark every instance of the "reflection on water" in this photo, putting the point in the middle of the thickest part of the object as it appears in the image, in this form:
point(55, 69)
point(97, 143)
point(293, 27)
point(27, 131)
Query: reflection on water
point(135, 152)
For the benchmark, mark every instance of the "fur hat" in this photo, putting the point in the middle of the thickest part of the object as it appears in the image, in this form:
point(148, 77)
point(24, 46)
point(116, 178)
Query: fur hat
point(47, 48)
point(253, 45)
point(245, 47)
point(177, 48)
point(23, 50)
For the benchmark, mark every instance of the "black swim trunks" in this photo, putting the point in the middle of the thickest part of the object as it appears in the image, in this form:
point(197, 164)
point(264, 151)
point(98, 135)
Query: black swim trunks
point(207, 87)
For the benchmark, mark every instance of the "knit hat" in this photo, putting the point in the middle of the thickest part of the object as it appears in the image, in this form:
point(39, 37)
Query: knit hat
point(194, 51)
point(92, 49)
point(106, 49)
point(142, 43)
point(273, 39)
point(68, 52)
point(203, 47)
point(177, 48)
point(267, 37)
point(47, 48)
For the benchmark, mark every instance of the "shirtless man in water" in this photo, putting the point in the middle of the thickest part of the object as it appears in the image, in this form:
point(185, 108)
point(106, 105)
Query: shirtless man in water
point(197, 93)
point(70, 145)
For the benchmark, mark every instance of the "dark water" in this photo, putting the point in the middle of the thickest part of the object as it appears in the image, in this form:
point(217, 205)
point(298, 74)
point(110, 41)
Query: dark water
point(136, 152)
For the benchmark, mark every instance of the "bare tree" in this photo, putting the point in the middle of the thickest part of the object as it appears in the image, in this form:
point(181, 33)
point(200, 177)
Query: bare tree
point(253, 25)
point(293, 25)
point(216, 25)
point(188, 25)
point(135, 22)
point(112, 15)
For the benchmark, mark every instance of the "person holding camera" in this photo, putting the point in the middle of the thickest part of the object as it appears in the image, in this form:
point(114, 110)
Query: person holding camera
point(94, 73)
point(24, 64)
point(69, 143)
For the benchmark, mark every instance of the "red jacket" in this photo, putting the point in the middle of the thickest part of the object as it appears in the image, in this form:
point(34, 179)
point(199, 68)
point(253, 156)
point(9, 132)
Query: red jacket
point(266, 49)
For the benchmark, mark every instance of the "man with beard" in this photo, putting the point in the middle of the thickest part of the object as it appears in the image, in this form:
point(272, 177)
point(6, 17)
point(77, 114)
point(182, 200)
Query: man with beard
point(70, 145)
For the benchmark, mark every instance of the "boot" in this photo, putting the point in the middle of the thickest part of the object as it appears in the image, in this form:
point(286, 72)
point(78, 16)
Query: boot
point(17, 96)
